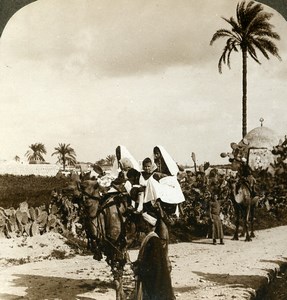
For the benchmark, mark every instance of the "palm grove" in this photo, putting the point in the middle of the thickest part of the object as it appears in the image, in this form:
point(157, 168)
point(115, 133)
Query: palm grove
point(250, 32)
point(66, 155)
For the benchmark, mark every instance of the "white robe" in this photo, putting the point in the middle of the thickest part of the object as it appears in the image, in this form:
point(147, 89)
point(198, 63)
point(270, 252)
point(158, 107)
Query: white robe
point(167, 189)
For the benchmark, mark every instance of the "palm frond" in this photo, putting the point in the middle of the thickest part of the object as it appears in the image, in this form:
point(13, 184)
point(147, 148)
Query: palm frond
point(234, 25)
point(251, 51)
point(221, 33)
point(265, 45)
point(231, 45)
point(266, 33)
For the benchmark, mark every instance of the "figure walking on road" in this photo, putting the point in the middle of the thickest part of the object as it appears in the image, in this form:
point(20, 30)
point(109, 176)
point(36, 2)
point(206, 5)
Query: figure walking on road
point(151, 268)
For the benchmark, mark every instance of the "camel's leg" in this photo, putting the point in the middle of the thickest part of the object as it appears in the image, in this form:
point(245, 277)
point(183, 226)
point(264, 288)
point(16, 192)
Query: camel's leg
point(120, 295)
point(252, 209)
point(6, 232)
point(118, 280)
point(246, 219)
point(243, 226)
point(235, 236)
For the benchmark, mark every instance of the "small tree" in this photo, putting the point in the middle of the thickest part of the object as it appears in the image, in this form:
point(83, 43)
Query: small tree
point(101, 162)
point(35, 153)
point(17, 158)
point(66, 155)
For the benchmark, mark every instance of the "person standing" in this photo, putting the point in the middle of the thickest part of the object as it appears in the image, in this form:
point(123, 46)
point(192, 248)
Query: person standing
point(214, 213)
point(151, 268)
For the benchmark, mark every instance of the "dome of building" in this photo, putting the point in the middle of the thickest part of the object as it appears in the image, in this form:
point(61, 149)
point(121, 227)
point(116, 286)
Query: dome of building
point(256, 148)
point(261, 137)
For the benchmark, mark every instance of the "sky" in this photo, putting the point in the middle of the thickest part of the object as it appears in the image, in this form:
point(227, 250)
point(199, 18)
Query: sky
point(96, 74)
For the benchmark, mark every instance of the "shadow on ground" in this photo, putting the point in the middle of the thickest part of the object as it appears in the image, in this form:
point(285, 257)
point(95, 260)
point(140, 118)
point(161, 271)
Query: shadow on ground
point(234, 281)
point(43, 287)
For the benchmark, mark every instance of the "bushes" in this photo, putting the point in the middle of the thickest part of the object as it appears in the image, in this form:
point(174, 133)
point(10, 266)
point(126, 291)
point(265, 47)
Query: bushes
point(35, 190)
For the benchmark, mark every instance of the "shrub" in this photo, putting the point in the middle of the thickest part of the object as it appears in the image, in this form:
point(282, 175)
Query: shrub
point(35, 190)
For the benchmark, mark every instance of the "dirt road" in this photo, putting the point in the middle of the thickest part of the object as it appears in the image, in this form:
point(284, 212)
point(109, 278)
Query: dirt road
point(236, 270)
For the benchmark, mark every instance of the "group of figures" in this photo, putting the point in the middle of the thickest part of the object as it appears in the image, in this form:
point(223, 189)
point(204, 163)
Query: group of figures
point(133, 199)
point(130, 200)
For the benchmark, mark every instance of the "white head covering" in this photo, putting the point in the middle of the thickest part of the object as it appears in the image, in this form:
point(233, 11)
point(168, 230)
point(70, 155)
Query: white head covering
point(127, 155)
point(150, 219)
point(170, 163)
point(153, 164)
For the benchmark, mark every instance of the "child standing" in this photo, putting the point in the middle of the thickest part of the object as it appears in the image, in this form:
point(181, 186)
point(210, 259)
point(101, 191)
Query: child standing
point(214, 213)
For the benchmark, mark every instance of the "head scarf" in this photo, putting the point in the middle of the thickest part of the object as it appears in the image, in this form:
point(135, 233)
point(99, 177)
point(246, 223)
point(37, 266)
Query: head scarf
point(124, 154)
point(170, 163)
point(125, 163)
point(150, 219)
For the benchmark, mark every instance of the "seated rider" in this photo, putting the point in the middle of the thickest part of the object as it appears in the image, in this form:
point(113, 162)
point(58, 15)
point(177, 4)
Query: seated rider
point(169, 193)
point(138, 181)
point(246, 177)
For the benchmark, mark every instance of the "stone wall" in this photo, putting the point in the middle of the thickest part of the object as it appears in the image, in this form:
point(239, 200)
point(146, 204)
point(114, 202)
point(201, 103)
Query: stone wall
point(26, 169)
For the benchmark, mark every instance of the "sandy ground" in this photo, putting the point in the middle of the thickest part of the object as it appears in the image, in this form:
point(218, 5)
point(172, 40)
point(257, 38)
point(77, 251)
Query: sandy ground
point(236, 270)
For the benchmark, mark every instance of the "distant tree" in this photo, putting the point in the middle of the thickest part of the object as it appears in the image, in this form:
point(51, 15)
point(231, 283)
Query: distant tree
point(35, 153)
point(110, 159)
point(17, 158)
point(250, 32)
point(66, 155)
point(101, 162)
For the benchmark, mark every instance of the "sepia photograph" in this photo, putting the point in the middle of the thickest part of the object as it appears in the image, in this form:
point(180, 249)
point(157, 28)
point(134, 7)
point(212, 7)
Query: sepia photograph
point(144, 149)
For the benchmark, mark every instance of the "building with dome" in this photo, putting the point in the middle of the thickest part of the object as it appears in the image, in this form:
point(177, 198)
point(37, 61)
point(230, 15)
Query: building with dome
point(261, 141)
point(255, 148)
point(261, 137)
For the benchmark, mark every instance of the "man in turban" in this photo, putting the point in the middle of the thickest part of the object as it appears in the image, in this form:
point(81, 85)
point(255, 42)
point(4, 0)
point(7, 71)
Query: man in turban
point(151, 268)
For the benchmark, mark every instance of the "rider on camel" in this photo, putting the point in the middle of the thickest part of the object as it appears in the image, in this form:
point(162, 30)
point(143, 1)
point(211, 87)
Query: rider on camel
point(245, 177)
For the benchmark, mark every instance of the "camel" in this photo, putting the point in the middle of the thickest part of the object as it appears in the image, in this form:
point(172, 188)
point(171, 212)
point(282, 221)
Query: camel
point(110, 226)
point(244, 205)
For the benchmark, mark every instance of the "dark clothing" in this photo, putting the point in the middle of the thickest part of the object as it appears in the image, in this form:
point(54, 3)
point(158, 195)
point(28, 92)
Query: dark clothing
point(146, 175)
point(217, 230)
point(154, 282)
point(162, 167)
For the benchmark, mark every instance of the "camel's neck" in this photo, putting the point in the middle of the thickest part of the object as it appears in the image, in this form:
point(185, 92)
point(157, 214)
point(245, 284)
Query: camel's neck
point(233, 189)
point(233, 192)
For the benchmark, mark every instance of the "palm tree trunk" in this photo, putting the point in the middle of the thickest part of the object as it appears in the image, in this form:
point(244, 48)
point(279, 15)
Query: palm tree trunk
point(64, 164)
point(244, 92)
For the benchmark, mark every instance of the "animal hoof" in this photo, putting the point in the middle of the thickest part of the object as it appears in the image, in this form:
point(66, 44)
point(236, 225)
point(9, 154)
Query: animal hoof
point(97, 256)
point(234, 239)
point(248, 240)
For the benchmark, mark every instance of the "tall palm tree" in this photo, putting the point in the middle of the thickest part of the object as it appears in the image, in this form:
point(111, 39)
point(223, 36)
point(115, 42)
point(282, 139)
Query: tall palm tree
point(35, 153)
point(66, 155)
point(251, 31)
